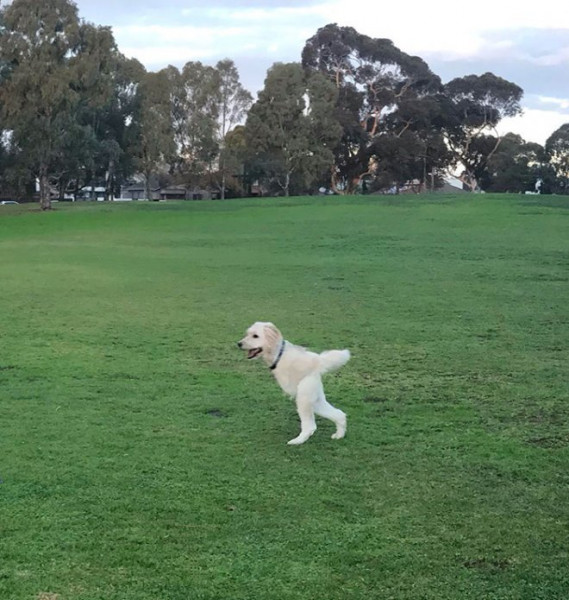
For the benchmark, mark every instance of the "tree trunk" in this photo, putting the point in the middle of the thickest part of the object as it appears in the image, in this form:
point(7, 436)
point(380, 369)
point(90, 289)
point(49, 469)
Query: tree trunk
point(334, 181)
point(147, 186)
point(45, 196)
point(109, 180)
point(222, 151)
point(222, 168)
point(469, 180)
point(353, 185)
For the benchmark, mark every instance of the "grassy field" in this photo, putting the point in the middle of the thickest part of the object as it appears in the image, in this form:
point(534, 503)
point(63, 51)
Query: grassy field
point(143, 458)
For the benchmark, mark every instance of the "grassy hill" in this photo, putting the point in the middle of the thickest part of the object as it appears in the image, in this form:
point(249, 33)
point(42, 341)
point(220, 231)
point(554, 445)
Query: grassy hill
point(143, 458)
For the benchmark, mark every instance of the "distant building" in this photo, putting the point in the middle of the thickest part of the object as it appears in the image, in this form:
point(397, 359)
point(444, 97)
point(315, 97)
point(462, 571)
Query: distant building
point(175, 192)
point(137, 191)
point(91, 192)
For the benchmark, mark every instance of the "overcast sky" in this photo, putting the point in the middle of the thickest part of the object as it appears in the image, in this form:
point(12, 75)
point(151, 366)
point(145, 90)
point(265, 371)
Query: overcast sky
point(527, 43)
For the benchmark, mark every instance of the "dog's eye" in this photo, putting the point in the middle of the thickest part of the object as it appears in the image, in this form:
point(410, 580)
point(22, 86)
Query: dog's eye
point(255, 335)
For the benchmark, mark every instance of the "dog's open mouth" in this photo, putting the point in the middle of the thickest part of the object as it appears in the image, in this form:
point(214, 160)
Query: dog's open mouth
point(254, 352)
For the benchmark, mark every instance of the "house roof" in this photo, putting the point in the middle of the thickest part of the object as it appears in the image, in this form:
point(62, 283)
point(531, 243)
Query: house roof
point(173, 189)
point(138, 187)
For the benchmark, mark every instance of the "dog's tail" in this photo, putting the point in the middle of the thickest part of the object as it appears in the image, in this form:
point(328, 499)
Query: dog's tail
point(333, 359)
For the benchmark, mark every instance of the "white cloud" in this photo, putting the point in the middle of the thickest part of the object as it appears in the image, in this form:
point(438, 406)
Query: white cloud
point(443, 27)
point(535, 125)
point(553, 58)
point(252, 16)
point(228, 33)
point(562, 103)
point(162, 35)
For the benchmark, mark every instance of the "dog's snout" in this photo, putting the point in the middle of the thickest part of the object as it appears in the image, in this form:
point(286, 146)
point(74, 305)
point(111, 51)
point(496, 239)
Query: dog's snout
point(240, 344)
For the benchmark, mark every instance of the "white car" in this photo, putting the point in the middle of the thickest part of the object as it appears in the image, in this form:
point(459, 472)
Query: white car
point(8, 202)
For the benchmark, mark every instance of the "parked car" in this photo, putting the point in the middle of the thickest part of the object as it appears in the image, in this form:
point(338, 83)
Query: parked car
point(8, 202)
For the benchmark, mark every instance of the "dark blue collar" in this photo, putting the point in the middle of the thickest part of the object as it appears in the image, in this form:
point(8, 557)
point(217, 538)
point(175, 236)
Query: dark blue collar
point(279, 355)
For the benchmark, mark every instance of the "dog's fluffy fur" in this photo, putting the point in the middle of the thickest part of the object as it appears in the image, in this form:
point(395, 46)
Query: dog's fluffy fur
point(299, 373)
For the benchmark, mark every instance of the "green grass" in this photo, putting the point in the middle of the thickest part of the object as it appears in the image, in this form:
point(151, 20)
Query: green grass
point(143, 458)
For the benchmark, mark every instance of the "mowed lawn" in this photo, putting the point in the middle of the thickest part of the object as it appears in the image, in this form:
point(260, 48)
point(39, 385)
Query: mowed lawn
point(142, 457)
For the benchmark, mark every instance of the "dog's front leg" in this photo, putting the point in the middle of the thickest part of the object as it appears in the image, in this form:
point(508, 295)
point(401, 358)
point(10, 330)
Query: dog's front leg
point(305, 398)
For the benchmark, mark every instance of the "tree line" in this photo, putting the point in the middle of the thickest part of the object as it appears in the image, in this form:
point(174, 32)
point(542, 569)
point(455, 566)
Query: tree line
point(354, 115)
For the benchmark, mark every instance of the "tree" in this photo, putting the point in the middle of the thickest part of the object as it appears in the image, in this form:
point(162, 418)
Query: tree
point(51, 66)
point(106, 113)
point(377, 84)
point(473, 107)
point(114, 121)
point(516, 166)
point(290, 128)
point(557, 149)
point(234, 102)
point(194, 101)
point(153, 141)
point(235, 161)
point(400, 159)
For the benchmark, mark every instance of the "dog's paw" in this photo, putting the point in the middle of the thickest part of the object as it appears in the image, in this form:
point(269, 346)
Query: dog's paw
point(341, 426)
point(300, 439)
point(295, 442)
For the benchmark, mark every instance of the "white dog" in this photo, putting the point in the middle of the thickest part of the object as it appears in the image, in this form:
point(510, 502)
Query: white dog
point(299, 373)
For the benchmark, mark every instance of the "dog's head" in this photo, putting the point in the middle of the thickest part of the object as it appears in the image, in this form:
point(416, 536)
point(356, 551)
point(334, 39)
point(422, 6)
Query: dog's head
point(260, 338)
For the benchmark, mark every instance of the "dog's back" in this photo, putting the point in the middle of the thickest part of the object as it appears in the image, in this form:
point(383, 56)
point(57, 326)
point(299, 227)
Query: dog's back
point(297, 363)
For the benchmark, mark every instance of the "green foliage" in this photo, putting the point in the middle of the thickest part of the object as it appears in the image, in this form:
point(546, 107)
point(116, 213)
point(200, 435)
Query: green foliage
point(55, 66)
point(195, 108)
point(234, 161)
point(154, 142)
point(516, 166)
point(290, 130)
point(557, 150)
point(233, 103)
point(116, 124)
point(143, 457)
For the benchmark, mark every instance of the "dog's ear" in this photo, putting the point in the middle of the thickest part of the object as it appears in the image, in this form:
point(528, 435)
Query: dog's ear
point(273, 335)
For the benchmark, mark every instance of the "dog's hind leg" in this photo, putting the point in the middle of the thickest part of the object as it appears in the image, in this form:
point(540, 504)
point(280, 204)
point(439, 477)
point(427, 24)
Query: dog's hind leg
point(324, 409)
point(306, 396)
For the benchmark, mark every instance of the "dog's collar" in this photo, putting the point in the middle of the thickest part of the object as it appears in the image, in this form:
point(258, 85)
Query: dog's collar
point(279, 355)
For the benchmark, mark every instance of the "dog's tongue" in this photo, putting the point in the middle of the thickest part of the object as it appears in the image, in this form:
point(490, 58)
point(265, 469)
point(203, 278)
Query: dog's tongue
point(252, 353)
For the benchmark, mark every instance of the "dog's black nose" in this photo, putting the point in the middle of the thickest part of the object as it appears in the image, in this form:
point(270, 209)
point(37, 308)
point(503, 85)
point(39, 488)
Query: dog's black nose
point(239, 344)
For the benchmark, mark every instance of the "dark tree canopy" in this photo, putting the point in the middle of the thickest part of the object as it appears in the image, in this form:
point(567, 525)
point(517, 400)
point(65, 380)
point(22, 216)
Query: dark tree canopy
point(557, 150)
point(516, 166)
point(378, 86)
point(473, 106)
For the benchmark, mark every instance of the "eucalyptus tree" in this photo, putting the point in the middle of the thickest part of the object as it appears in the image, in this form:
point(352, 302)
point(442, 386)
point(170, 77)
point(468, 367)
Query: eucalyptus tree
point(516, 166)
point(557, 149)
point(51, 65)
point(290, 129)
point(152, 136)
point(233, 103)
point(235, 157)
point(105, 112)
point(114, 123)
point(195, 110)
point(473, 107)
point(380, 92)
